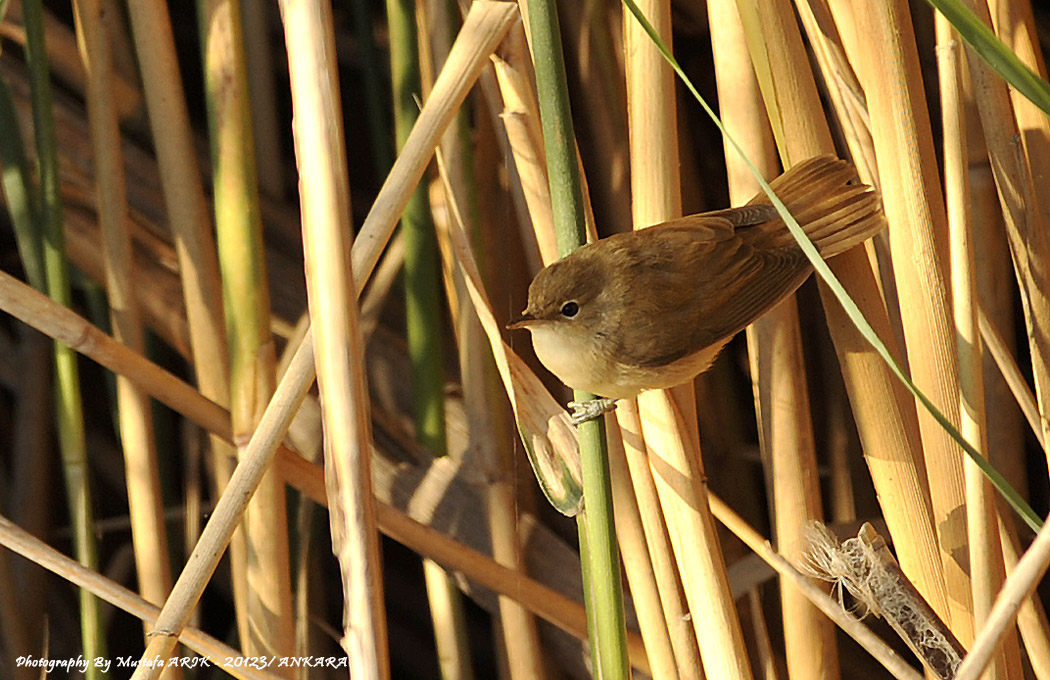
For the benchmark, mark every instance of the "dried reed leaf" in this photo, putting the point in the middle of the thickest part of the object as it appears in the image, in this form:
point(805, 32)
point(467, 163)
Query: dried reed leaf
point(550, 439)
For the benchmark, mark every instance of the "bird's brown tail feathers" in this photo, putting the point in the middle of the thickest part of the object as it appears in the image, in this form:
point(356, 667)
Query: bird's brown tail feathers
point(835, 215)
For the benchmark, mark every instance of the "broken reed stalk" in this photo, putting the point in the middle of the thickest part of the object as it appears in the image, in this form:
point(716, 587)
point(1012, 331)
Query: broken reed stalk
point(521, 119)
point(246, 302)
point(145, 504)
point(187, 213)
point(846, 621)
point(599, 554)
point(865, 568)
point(67, 393)
point(884, 412)
point(778, 371)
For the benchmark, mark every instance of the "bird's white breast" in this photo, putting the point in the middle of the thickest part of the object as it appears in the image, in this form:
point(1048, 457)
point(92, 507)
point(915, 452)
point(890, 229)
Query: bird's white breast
point(573, 358)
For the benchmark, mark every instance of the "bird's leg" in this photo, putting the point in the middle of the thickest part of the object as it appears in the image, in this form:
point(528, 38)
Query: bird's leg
point(582, 411)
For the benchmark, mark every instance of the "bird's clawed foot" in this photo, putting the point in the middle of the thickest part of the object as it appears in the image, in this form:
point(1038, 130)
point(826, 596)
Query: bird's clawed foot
point(582, 411)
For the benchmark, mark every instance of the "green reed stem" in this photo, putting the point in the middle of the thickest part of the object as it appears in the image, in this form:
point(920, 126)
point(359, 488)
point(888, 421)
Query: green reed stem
point(601, 559)
point(70, 418)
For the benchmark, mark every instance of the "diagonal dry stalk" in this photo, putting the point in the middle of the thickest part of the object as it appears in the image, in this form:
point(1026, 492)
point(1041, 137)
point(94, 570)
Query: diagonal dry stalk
point(21, 542)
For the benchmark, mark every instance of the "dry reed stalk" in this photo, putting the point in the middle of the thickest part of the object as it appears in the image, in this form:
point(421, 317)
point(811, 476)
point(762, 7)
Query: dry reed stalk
point(777, 368)
point(247, 304)
point(914, 208)
point(668, 418)
point(145, 504)
point(1019, 587)
point(18, 540)
point(1031, 617)
point(636, 563)
point(187, 213)
point(661, 554)
point(884, 411)
point(1020, 206)
point(339, 351)
point(682, 488)
point(986, 557)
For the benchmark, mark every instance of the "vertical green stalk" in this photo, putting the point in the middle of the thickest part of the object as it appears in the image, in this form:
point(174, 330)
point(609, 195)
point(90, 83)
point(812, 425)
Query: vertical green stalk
point(246, 305)
point(422, 279)
point(376, 113)
point(601, 558)
point(421, 269)
point(67, 378)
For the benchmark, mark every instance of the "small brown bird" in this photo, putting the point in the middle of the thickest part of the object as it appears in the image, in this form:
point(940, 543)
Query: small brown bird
point(653, 308)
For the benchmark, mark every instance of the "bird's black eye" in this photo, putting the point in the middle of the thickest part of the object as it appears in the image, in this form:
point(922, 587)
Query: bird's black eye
point(570, 309)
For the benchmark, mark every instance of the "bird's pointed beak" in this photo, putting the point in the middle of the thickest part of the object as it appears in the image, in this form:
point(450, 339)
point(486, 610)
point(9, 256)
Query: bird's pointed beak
point(522, 321)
